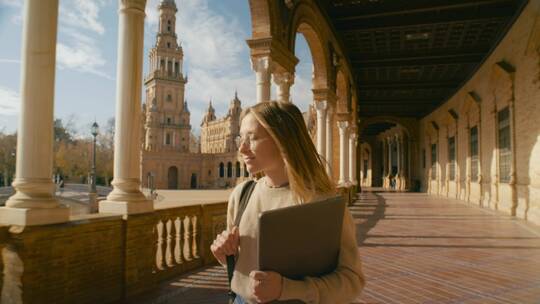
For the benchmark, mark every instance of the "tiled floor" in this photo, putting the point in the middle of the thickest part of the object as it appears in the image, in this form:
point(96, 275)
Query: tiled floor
point(418, 249)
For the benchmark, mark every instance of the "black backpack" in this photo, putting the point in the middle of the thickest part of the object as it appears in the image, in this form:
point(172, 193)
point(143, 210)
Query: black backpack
point(231, 262)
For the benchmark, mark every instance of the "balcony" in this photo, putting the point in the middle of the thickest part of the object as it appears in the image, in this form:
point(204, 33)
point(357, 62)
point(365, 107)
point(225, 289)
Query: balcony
point(165, 75)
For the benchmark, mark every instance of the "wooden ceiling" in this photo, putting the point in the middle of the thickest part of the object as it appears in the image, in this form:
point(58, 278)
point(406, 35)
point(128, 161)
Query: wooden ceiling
point(410, 56)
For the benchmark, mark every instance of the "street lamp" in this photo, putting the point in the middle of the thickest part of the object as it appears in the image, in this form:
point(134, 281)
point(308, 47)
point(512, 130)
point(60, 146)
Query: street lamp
point(95, 130)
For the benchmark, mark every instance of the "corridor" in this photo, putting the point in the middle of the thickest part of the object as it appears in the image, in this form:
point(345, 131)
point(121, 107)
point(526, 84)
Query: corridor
point(417, 248)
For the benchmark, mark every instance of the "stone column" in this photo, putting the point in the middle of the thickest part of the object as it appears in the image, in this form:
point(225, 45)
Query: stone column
point(126, 198)
point(384, 159)
point(284, 81)
point(352, 157)
point(329, 140)
point(321, 127)
point(261, 66)
point(398, 156)
point(389, 141)
point(34, 202)
point(343, 157)
point(173, 70)
point(405, 183)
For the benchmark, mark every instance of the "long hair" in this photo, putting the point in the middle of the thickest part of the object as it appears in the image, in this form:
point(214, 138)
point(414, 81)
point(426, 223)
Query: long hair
point(305, 168)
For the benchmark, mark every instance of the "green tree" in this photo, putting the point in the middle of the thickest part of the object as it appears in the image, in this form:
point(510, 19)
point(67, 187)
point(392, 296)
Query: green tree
point(8, 145)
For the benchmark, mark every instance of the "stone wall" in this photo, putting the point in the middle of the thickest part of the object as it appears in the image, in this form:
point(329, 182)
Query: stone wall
point(106, 259)
point(508, 78)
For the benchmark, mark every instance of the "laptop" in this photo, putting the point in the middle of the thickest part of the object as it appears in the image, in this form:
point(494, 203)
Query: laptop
point(301, 240)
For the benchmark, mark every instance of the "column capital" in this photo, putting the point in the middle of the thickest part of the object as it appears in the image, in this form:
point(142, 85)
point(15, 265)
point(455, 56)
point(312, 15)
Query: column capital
point(283, 78)
point(353, 136)
point(324, 94)
point(321, 105)
point(133, 4)
point(261, 64)
point(343, 125)
point(273, 47)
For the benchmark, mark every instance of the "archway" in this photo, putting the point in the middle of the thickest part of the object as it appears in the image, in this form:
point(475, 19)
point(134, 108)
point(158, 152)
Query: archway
point(193, 181)
point(172, 177)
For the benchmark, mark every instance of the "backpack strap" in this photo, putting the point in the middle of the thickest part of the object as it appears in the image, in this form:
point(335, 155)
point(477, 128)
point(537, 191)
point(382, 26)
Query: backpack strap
point(242, 204)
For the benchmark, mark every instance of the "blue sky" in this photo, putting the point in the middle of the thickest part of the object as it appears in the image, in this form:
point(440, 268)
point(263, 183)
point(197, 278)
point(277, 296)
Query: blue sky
point(216, 58)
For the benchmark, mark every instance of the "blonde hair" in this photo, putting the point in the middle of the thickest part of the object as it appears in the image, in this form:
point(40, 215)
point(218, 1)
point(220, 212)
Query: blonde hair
point(305, 167)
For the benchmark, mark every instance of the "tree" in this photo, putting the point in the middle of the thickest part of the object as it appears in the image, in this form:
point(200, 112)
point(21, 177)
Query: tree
point(8, 145)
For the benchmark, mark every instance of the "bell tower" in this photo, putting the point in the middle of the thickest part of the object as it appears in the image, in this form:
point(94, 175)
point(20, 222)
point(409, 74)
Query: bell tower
point(167, 119)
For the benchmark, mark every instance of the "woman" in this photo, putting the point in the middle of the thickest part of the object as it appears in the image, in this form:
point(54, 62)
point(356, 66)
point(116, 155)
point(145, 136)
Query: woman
point(277, 149)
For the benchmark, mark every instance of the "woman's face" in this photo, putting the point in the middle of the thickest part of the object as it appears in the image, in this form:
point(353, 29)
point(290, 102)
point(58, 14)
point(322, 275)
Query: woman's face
point(258, 149)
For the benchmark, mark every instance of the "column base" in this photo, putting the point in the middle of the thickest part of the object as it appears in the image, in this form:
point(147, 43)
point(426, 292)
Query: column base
point(34, 216)
point(126, 207)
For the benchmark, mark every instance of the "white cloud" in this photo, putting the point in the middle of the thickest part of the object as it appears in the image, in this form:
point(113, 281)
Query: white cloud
point(83, 14)
point(203, 85)
point(13, 3)
point(9, 102)
point(2, 60)
point(80, 53)
point(77, 47)
point(301, 93)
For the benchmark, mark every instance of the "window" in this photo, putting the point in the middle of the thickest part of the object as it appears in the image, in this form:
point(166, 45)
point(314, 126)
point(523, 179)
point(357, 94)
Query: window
point(169, 97)
point(209, 172)
point(474, 153)
point(246, 173)
point(168, 139)
point(168, 120)
point(229, 169)
point(452, 157)
point(221, 170)
point(168, 28)
point(237, 169)
point(433, 161)
point(505, 152)
point(168, 45)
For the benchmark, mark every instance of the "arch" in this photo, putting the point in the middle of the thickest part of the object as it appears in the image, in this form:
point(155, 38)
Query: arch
point(221, 170)
point(172, 178)
point(407, 125)
point(193, 180)
point(303, 22)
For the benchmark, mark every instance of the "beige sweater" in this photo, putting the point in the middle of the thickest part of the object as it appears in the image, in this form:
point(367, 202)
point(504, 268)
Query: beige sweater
point(341, 286)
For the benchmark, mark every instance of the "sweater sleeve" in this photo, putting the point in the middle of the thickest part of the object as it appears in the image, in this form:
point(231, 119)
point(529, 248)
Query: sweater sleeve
point(341, 286)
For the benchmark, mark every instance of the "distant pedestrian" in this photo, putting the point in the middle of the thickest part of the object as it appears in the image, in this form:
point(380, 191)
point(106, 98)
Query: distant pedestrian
point(61, 185)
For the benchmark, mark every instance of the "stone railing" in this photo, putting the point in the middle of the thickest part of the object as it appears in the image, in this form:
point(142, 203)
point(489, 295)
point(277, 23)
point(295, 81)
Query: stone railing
point(178, 240)
point(103, 258)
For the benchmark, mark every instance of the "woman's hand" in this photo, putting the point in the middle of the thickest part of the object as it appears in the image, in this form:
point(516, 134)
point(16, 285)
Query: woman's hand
point(226, 243)
point(265, 285)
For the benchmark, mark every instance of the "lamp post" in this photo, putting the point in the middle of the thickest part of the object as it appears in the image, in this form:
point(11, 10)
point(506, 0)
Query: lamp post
point(95, 129)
